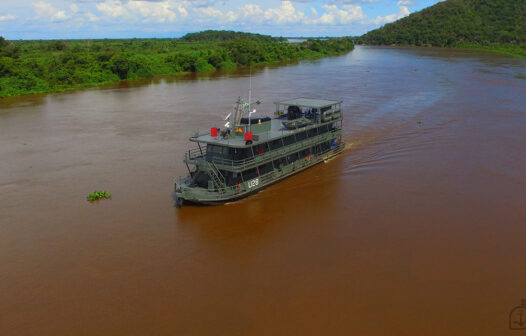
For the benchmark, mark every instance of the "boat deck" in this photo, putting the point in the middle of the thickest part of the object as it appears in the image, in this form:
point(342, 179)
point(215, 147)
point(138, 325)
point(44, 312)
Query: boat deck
point(277, 130)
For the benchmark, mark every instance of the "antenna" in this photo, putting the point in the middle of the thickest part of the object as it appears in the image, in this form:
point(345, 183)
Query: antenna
point(249, 96)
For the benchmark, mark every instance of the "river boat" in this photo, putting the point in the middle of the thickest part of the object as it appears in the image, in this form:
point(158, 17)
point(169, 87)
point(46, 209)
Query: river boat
point(250, 153)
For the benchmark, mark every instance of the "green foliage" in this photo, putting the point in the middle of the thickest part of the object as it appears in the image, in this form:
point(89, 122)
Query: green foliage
point(226, 35)
point(120, 65)
point(6, 66)
point(458, 23)
point(47, 66)
point(96, 195)
point(3, 42)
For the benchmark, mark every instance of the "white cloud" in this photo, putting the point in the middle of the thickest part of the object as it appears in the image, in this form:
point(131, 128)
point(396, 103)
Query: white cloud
point(345, 2)
point(7, 17)
point(92, 17)
point(403, 11)
point(113, 8)
point(335, 15)
point(146, 11)
point(250, 11)
point(210, 12)
point(286, 13)
point(46, 11)
point(153, 11)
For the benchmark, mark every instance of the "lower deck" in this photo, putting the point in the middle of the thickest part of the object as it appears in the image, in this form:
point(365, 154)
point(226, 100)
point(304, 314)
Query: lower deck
point(212, 195)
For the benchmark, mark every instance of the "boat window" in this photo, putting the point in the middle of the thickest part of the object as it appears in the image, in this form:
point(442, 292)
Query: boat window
point(241, 153)
point(215, 151)
point(266, 168)
point(236, 154)
point(289, 140)
point(292, 157)
point(312, 132)
point(250, 174)
point(260, 149)
point(275, 144)
point(323, 129)
point(280, 163)
point(231, 178)
point(325, 145)
point(301, 136)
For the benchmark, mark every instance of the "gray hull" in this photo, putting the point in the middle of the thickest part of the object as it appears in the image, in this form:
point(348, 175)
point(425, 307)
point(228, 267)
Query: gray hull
point(218, 198)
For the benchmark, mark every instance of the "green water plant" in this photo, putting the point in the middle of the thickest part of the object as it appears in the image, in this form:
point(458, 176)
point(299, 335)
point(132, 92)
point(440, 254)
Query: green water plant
point(96, 195)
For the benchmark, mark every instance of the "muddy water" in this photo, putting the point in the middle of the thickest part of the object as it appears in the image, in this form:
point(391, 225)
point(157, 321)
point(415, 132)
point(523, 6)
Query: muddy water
point(419, 228)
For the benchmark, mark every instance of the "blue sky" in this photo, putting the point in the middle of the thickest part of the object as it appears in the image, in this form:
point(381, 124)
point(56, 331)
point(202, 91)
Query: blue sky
point(65, 19)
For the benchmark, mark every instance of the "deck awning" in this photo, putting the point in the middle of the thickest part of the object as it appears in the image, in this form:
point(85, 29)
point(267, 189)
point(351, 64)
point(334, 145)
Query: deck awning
point(308, 102)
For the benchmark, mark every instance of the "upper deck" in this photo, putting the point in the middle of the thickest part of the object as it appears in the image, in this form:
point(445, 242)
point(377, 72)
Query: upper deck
point(309, 102)
point(302, 113)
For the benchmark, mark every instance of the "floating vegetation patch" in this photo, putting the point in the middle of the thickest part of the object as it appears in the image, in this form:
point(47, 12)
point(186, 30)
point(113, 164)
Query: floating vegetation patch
point(97, 195)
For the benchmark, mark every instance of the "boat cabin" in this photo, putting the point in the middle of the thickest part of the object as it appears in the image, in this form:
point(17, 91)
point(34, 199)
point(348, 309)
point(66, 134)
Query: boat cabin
point(249, 147)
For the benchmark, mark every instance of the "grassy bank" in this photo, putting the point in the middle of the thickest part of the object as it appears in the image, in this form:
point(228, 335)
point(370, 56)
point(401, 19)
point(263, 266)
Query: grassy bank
point(511, 50)
point(28, 67)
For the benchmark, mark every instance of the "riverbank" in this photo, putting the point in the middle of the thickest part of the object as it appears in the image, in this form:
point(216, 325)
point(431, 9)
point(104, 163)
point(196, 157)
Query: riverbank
point(29, 67)
point(510, 50)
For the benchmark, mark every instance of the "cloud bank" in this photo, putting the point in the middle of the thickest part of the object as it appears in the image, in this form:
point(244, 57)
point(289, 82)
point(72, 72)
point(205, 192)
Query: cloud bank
point(127, 18)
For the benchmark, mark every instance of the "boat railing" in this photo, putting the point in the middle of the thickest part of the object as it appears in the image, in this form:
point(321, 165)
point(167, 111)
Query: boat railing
point(200, 153)
point(270, 176)
point(195, 153)
point(326, 115)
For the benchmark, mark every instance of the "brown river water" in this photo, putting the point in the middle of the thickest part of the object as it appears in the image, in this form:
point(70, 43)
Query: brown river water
point(418, 228)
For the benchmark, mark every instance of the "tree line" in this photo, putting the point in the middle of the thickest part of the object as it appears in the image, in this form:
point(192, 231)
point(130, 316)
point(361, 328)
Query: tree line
point(47, 66)
point(458, 23)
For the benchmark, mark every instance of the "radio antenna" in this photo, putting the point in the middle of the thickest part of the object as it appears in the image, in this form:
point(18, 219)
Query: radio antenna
point(249, 86)
point(249, 95)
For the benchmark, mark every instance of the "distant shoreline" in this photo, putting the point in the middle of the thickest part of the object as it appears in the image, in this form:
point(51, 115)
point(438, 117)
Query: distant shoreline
point(33, 67)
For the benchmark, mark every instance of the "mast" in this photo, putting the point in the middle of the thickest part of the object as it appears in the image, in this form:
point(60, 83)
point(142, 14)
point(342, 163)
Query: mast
point(249, 96)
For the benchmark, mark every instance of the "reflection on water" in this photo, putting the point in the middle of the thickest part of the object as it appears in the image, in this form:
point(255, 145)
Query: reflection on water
point(420, 221)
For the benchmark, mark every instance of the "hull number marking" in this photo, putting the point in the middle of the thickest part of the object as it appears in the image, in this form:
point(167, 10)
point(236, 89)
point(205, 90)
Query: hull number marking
point(253, 183)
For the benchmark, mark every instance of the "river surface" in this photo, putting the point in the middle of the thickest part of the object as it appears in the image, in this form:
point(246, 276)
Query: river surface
point(418, 228)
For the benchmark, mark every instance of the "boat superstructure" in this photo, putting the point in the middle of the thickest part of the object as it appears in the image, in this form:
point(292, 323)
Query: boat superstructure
point(250, 153)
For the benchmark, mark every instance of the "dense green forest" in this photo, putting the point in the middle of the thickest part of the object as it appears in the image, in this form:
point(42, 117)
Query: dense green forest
point(226, 35)
point(49, 66)
point(498, 25)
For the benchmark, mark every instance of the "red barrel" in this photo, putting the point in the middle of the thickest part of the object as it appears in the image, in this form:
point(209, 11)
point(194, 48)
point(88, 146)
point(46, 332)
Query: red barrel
point(213, 131)
point(248, 136)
